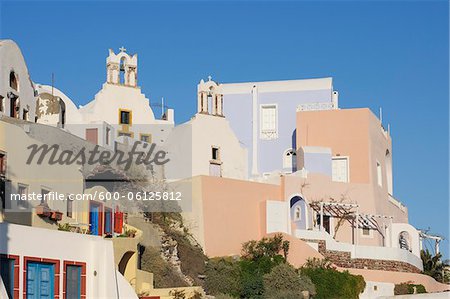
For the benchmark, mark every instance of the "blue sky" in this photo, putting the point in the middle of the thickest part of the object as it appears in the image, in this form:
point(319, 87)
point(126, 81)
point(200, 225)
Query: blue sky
point(393, 55)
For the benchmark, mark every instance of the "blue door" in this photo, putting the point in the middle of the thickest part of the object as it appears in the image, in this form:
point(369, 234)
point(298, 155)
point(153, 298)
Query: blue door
point(93, 219)
point(40, 280)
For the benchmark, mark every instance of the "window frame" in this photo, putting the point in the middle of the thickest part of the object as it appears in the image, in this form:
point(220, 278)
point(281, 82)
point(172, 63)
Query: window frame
point(47, 190)
point(22, 203)
point(379, 171)
point(267, 134)
point(348, 167)
point(145, 135)
point(130, 117)
point(82, 266)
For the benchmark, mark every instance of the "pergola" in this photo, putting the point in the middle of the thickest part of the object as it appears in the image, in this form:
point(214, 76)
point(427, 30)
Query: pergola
point(349, 212)
point(424, 235)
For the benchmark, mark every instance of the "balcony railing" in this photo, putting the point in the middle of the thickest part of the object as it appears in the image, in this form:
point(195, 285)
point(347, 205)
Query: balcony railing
point(397, 203)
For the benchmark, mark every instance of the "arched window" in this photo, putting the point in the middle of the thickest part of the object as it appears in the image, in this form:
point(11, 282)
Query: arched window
point(298, 213)
point(62, 113)
point(122, 70)
point(290, 160)
point(404, 241)
point(13, 81)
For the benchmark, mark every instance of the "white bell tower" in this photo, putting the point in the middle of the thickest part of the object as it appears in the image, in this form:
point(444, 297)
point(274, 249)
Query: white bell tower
point(210, 98)
point(121, 68)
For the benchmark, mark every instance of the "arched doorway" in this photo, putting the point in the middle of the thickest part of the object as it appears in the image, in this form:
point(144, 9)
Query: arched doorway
point(299, 212)
point(124, 261)
point(404, 241)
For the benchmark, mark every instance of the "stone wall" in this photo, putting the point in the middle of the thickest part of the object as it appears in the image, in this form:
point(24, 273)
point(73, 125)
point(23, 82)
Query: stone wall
point(343, 259)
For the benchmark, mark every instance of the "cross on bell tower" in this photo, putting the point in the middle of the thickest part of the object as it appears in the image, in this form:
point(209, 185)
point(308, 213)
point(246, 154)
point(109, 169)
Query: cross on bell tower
point(122, 49)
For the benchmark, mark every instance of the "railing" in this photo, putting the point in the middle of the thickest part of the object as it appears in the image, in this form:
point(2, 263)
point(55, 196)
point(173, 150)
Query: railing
point(397, 203)
point(362, 251)
point(317, 106)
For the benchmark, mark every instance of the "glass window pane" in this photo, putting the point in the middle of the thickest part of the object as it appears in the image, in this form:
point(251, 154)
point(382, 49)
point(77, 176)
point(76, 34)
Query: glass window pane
point(73, 282)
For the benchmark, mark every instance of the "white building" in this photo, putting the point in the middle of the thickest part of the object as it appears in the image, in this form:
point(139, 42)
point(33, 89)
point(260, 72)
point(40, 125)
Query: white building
point(119, 111)
point(206, 144)
point(17, 95)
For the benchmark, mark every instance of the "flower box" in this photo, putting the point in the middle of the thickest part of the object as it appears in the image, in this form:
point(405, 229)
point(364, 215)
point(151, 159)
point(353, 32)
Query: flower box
point(56, 215)
point(43, 211)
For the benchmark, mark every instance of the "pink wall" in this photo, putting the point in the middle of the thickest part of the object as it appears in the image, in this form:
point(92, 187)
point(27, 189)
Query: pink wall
point(233, 213)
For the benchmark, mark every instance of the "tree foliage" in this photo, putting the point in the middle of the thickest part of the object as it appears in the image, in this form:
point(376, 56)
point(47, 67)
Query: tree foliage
point(222, 277)
point(284, 282)
point(432, 265)
point(409, 288)
point(331, 283)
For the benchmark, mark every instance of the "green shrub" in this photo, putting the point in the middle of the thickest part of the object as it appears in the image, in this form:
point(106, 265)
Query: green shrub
point(284, 282)
point(406, 288)
point(222, 277)
point(266, 247)
point(331, 283)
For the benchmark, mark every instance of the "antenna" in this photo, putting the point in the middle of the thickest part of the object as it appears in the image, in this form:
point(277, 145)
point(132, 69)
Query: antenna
point(162, 106)
point(53, 83)
point(381, 115)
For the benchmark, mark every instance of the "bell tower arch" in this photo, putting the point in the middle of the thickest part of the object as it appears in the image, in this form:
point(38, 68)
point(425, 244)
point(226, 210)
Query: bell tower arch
point(121, 68)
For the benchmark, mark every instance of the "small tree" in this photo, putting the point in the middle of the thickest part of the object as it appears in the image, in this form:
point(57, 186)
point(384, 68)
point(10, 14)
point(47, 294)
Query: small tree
point(222, 277)
point(432, 265)
point(266, 247)
point(284, 282)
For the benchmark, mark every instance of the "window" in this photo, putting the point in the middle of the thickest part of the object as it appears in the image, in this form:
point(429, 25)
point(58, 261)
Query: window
point(366, 231)
point(215, 153)
point(379, 174)
point(146, 138)
point(14, 107)
point(73, 282)
point(69, 207)
point(108, 221)
point(25, 114)
point(13, 82)
point(44, 193)
point(108, 132)
point(7, 274)
point(125, 117)
point(92, 135)
point(298, 213)
point(2, 104)
point(339, 169)
point(2, 164)
point(269, 121)
point(23, 191)
point(124, 134)
point(389, 172)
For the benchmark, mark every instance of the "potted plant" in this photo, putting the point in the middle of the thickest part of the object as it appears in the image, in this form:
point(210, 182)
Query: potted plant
point(43, 210)
point(56, 215)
